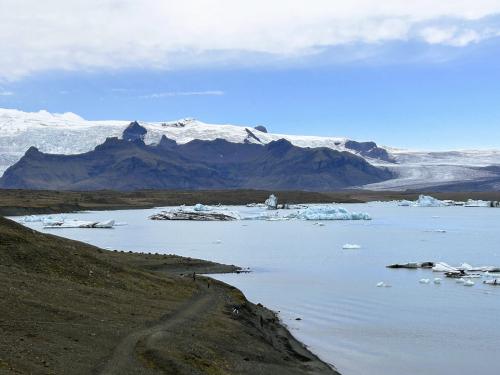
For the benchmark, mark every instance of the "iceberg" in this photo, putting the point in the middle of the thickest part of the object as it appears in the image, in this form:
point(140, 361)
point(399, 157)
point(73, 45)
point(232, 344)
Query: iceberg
point(330, 212)
point(428, 201)
point(271, 202)
point(444, 267)
point(201, 207)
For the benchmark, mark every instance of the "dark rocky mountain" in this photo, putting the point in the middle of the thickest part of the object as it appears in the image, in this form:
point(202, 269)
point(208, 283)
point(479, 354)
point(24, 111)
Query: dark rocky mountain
point(129, 164)
point(134, 132)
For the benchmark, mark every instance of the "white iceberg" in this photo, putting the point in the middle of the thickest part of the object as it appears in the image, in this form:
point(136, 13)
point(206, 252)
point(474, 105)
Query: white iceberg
point(271, 202)
point(428, 201)
point(444, 267)
point(437, 280)
point(469, 283)
point(201, 207)
point(331, 212)
point(350, 246)
point(424, 281)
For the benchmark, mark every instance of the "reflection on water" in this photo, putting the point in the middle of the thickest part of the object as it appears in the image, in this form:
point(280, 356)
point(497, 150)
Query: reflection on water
point(301, 270)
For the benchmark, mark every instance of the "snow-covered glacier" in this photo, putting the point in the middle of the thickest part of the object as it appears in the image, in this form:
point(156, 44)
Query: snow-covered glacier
point(69, 133)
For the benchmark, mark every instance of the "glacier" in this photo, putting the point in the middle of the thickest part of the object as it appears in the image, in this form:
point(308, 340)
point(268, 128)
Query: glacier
point(69, 133)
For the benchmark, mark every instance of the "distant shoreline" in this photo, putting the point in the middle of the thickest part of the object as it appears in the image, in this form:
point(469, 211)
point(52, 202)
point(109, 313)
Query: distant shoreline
point(30, 202)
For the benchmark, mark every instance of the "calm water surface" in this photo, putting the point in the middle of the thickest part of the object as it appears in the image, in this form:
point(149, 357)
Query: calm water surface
point(301, 270)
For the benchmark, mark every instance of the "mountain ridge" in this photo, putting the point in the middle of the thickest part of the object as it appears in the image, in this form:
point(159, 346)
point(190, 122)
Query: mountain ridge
point(130, 164)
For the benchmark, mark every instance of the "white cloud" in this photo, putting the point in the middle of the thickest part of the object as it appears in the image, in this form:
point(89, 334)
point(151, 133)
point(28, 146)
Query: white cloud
point(114, 34)
point(183, 93)
point(6, 93)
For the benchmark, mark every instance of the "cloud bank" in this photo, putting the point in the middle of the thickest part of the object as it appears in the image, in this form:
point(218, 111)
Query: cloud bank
point(161, 34)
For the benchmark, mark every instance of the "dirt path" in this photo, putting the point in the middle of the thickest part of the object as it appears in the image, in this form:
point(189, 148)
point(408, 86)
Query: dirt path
point(124, 358)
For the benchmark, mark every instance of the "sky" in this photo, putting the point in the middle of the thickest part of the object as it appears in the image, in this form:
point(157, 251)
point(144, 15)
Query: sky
point(416, 74)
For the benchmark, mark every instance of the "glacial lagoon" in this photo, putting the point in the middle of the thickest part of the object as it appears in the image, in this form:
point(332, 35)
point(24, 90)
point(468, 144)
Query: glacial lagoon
point(301, 269)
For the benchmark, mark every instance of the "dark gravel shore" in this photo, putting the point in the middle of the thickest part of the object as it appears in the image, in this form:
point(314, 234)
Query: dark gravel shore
point(71, 308)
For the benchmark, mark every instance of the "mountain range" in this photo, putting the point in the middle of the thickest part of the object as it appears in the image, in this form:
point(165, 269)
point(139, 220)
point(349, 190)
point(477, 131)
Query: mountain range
point(64, 151)
point(130, 164)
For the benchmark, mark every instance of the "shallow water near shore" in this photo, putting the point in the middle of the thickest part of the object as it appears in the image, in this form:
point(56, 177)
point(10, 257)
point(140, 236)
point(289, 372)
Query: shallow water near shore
point(300, 269)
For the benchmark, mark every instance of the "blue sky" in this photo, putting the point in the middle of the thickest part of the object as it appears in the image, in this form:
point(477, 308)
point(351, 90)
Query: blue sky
point(434, 84)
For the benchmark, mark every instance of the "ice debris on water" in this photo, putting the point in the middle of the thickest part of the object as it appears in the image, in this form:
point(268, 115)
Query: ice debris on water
point(331, 212)
point(351, 246)
point(424, 281)
point(437, 280)
point(381, 284)
point(469, 283)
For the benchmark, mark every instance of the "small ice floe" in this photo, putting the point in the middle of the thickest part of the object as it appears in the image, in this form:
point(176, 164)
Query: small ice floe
point(217, 242)
point(437, 280)
point(469, 283)
point(201, 207)
point(381, 284)
point(424, 281)
point(460, 281)
point(81, 224)
point(412, 265)
point(492, 282)
point(351, 246)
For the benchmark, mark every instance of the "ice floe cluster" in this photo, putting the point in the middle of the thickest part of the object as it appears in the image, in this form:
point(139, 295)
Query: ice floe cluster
point(428, 201)
point(463, 274)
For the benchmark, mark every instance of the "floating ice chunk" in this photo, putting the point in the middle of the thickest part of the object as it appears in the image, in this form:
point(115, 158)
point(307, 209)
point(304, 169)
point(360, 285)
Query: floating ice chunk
point(201, 207)
point(469, 283)
point(424, 281)
point(351, 246)
point(428, 201)
point(81, 224)
point(492, 282)
point(405, 203)
point(437, 280)
point(217, 242)
point(443, 267)
point(271, 202)
point(383, 285)
point(460, 281)
point(331, 212)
